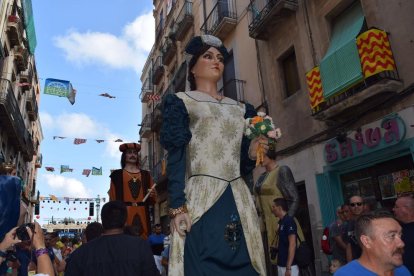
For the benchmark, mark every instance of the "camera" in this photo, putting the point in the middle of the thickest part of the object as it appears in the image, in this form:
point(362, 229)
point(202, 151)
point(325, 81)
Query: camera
point(273, 252)
point(11, 256)
point(22, 233)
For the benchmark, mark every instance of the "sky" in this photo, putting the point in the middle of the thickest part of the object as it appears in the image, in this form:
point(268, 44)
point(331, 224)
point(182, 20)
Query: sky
point(100, 46)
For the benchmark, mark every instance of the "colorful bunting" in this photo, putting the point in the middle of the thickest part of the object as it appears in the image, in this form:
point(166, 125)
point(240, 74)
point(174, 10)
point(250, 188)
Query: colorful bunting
point(53, 197)
point(50, 169)
point(107, 95)
point(96, 171)
point(65, 168)
point(100, 141)
point(60, 137)
point(79, 141)
point(86, 172)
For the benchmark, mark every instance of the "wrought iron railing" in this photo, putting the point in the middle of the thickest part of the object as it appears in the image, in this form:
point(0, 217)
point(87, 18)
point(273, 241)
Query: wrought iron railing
point(221, 10)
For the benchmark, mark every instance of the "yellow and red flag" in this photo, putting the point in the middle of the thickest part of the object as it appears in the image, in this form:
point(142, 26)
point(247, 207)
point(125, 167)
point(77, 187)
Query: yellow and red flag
point(375, 52)
point(313, 79)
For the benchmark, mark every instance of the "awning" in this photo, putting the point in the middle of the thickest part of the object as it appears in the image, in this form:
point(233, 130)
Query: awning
point(341, 66)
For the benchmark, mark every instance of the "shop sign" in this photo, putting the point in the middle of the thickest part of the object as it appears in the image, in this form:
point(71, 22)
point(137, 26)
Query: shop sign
point(389, 132)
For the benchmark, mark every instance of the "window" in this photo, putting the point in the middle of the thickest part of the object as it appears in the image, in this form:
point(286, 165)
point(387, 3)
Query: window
point(290, 74)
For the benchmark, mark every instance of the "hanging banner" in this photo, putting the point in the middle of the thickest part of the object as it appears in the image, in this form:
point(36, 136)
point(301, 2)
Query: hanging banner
point(61, 88)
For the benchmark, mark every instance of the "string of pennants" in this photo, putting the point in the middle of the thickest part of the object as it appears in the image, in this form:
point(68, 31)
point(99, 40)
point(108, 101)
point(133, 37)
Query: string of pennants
point(86, 172)
point(78, 141)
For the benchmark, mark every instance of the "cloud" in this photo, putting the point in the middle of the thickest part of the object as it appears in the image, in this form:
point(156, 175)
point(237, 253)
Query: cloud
point(65, 186)
point(130, 50)
point(46, 119)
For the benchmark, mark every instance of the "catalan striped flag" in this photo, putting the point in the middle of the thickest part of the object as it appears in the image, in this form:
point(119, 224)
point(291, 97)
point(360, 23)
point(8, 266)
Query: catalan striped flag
point(375, 52)
point(313, 79)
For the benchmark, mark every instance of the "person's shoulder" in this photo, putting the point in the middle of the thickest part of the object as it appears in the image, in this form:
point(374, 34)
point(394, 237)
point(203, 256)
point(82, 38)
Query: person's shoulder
point(402, 271)
point(350, 268)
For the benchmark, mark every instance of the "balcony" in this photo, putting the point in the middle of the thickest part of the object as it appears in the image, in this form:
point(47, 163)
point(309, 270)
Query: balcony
point(373, 91)
point(31, 106)
point(185, 20)
point(12, 121)
point(39, 159)
point(157, 71)
point(21, 57)
point(25, 81)
point(158, 172)
point(145, 130)
point(234, 89)
point(14, 30)
point(168, 49)
point(221, 20)
point(146, 90)
point(158, 31)
point(264, 14)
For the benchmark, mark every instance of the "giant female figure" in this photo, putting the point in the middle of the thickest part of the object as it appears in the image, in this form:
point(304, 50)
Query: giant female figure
point(215, 228)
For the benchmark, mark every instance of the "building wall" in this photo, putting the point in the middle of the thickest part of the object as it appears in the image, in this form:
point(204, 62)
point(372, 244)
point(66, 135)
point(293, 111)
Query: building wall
point(26, 168)
point(308, 31)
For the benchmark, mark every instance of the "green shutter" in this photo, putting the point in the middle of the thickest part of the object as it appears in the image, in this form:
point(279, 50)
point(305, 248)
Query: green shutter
point(29, 25)
point(341, 67)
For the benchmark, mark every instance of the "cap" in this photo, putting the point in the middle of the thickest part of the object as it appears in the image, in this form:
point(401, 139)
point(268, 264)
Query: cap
point(198, 42)
point(126, 146)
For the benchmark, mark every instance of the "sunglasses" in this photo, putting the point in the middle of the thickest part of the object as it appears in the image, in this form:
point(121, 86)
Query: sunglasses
point(356, 204)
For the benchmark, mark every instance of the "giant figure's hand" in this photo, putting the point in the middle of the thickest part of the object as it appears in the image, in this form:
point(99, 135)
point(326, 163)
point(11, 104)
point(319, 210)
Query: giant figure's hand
point(254, 144)
point(181, 223)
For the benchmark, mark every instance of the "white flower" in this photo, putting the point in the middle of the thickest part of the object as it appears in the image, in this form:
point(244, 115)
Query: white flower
point(261, 114)
point(278, 133)
point(248, 132)
point(271, 134)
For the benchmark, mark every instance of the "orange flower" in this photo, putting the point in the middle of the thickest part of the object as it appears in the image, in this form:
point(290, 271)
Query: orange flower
point(256, 119)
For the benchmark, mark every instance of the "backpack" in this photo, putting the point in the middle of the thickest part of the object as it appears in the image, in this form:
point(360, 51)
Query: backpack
point(325, 241)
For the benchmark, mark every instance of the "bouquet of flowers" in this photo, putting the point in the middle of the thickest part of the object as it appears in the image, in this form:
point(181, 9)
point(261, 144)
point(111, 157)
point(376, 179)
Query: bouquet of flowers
point(262, 125)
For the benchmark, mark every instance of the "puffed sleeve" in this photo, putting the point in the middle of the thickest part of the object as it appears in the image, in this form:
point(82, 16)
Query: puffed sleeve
point(174, 136)
point(246, 164)
point(287, 187)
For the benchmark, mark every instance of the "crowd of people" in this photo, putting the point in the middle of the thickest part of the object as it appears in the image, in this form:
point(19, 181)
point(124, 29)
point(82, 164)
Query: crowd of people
point(365, 239)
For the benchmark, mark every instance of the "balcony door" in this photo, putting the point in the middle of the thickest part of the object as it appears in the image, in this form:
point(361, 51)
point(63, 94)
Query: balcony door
point(223, 8)
point(229, 76)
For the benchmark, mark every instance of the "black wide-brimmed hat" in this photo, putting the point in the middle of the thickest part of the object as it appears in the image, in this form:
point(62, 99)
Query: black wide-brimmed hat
point(198, 42)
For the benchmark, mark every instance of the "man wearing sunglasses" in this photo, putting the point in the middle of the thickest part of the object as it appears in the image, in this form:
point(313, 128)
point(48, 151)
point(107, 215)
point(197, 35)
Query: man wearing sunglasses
point(353, 250)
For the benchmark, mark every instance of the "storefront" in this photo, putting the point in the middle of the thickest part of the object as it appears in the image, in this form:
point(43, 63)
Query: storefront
point(374, 161)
